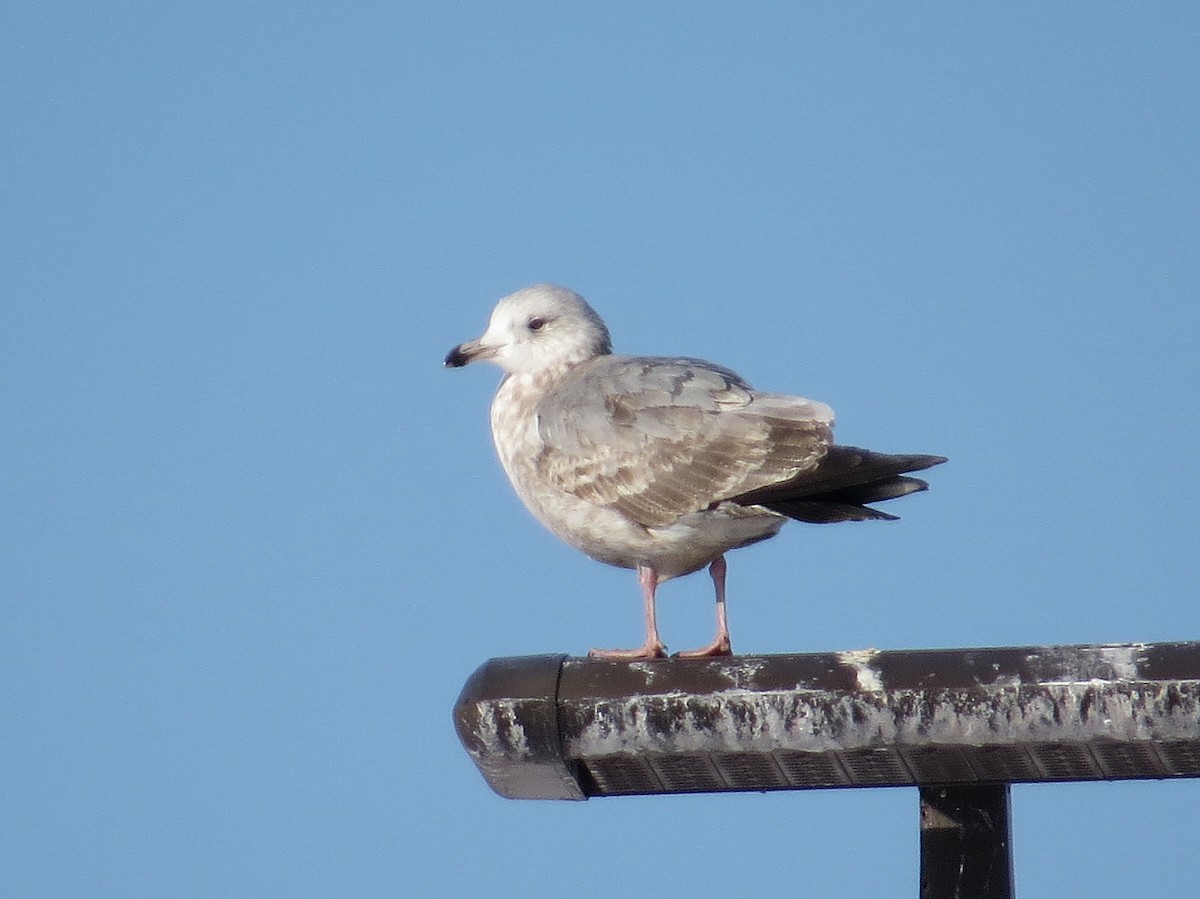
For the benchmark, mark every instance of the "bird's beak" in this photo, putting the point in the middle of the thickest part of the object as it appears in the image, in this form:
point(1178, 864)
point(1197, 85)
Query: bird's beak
point(468, 352)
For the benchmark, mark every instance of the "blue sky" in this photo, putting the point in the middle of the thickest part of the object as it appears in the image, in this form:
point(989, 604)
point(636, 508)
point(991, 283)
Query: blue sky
point(253, 538)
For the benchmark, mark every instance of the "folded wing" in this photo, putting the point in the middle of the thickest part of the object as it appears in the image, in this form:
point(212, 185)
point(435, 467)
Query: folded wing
point(659, 438)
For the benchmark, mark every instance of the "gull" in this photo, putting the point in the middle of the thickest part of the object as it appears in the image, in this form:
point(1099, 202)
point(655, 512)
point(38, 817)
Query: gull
point(661, 464)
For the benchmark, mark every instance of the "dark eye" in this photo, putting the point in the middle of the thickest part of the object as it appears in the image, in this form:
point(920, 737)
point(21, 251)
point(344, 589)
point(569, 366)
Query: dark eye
point(536, 324)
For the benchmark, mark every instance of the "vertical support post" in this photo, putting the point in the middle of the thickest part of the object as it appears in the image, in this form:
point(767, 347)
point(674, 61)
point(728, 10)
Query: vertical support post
point(966, 842)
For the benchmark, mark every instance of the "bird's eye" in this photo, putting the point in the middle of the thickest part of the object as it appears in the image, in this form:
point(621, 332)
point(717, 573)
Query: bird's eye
point(536, 324)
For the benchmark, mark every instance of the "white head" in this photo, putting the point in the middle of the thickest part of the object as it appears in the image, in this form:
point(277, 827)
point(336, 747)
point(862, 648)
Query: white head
point(537, 328)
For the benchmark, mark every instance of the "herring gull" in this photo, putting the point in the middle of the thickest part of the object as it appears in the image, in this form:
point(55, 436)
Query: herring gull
point(661, 464)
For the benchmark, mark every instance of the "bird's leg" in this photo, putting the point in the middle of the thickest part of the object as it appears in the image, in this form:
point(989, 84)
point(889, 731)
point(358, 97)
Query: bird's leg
point(654, 648)
point(720, 645)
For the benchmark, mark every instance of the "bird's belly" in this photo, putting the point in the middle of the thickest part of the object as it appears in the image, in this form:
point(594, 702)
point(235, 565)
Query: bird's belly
point(679, 548)
point(696, 539)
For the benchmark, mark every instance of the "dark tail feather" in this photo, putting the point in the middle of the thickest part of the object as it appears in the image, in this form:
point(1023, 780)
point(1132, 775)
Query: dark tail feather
point(842, 484)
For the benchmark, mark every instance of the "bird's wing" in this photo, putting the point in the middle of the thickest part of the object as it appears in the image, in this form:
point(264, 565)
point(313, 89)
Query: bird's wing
point(658, 438)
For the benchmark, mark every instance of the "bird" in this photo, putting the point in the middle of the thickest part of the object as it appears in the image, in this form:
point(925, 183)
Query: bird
point(661, 464)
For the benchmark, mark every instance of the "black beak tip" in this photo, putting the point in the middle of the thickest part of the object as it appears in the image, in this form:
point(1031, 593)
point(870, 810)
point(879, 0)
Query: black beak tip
point(456, 358)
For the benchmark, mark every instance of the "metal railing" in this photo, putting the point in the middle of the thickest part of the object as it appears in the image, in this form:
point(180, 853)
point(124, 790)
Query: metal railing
point(961, 725)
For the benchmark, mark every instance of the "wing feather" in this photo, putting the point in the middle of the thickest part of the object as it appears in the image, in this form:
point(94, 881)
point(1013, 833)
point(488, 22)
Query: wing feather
point(658, 438)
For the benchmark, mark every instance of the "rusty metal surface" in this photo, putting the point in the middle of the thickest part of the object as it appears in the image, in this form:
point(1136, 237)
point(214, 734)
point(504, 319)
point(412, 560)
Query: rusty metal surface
point(558, 727)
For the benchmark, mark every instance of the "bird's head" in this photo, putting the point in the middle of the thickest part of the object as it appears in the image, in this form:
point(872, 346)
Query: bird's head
point(538, 328)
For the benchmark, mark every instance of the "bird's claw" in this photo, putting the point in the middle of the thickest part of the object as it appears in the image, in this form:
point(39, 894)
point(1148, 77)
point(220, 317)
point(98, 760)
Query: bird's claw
point(713, 650)
point(642, 653)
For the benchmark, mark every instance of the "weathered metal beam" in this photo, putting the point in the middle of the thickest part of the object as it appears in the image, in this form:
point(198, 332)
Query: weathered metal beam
point(553, 727)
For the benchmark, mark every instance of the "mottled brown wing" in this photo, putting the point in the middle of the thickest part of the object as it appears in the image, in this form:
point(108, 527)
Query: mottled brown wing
point(658, 438)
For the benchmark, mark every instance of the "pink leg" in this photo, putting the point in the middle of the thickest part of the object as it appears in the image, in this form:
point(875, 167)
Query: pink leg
point(720, 645)
point(654, 648)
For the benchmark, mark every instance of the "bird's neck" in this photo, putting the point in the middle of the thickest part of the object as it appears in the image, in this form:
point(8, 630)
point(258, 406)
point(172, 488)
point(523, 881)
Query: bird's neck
point(538, 382)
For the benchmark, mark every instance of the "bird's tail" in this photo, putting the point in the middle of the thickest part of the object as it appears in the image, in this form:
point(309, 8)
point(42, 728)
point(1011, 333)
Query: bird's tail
point(842, 485)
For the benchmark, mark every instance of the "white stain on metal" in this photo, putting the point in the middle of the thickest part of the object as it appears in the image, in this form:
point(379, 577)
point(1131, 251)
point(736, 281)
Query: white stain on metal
point(769, 721)
point(1102, 664)
point(500, 730)
point(1125, 661)
point(647, 669)
point(743, 670)
point(867, 676)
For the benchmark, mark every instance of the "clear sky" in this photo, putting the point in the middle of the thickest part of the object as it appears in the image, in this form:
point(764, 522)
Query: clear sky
point(253, 538)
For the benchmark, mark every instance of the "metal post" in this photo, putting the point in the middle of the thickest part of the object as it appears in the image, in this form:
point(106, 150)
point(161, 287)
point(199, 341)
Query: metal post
point(966, 842)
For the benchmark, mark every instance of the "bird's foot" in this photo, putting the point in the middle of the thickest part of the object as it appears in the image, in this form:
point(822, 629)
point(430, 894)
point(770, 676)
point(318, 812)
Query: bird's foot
point(718, 647)
point(649, 651)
